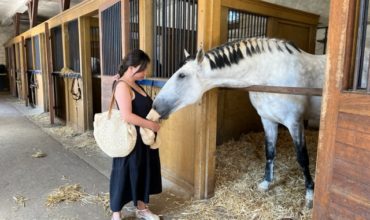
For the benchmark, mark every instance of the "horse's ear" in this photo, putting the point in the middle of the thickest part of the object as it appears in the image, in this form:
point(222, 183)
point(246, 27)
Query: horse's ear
point(200, 55)
point(186, 53)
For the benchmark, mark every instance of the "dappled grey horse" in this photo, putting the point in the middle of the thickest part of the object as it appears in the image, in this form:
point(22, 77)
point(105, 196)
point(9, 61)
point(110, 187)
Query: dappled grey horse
point(255, 61)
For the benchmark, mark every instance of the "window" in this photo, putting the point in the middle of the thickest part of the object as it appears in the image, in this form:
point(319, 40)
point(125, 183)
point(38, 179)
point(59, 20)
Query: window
point(362, 67)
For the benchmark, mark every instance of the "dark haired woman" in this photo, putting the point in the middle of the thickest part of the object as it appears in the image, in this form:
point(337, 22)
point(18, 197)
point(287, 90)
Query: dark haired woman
point(137, 175)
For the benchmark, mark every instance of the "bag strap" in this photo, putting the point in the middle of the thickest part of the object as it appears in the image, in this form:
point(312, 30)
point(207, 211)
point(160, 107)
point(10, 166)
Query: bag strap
point(113, 97)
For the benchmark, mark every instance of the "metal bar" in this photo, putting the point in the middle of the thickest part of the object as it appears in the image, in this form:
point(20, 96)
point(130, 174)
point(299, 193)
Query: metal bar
point(194, 17)
point(137, 24)
point(282, 90)
point(361, 40)
point(174, 36)
point(188, 25)
point(242, 25)
point(170, 36)
point(239, 25)
point(164, 36)
point(196, 27)
point(154, 38)
point(234, 25)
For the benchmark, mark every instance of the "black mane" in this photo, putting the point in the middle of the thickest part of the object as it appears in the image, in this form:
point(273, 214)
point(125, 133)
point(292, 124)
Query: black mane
point(253, 46)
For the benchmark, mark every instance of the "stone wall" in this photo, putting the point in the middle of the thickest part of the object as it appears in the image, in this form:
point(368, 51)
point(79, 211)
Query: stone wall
point(6, 32)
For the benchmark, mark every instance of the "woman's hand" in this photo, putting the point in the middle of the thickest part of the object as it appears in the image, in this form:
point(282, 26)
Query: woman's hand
point(154, 126)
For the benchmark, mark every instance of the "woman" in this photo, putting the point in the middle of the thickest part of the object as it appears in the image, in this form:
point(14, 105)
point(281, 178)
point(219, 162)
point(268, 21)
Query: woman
point(137, 175)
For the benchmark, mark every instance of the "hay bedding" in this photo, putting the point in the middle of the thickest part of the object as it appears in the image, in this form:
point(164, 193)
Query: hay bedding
point(240, 167)
point(75, 193)
point(69, 137)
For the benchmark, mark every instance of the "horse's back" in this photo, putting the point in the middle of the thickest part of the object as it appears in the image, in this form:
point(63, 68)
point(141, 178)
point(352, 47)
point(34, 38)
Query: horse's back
point(285, 109)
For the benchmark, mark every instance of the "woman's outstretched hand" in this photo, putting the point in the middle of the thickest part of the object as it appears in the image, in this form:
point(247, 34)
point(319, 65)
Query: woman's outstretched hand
point(154, 126)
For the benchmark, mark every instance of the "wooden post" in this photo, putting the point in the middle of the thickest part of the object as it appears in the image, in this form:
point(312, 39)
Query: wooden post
point(85, 64)
point(209, 12)
point(32, 12)
point(44, 71)
point(65, 4)
point(17, 18)
point(24, 70)
point(49, 70)
point(125, 24)
point(65, 46)
point(146, 30)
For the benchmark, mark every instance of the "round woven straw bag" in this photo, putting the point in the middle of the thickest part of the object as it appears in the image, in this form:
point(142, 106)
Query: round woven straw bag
point(114, 136)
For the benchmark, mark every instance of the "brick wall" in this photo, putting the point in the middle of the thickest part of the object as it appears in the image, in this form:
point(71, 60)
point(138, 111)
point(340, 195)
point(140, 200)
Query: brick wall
point(6, 32)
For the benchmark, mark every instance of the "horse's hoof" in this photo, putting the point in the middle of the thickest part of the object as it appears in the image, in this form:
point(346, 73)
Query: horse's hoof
point(264, 186)
point(309, 198)
point(309, 204)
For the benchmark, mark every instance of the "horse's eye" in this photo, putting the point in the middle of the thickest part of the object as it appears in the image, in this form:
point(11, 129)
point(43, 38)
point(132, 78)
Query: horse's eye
point(181, 75)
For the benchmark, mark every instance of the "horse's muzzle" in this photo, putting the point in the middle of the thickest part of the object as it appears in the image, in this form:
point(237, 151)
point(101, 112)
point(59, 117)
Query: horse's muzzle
point(162, 109)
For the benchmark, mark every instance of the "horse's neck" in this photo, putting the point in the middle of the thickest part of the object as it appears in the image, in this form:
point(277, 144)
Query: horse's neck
point(246, 73)
point(269, 69)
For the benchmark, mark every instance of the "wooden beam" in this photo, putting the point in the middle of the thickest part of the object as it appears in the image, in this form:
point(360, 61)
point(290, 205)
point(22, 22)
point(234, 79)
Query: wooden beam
point(65, 4)
point(146, 30)
point(32, 12)
point(283, 90)
point(125, 26)
point(85, 64)
point(49, 70)
point(16, 23)
point(209, 13)
point(23, 66)
point(29, 8)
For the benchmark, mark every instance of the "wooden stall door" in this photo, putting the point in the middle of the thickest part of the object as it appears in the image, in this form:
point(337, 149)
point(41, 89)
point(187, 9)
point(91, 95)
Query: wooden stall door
point(342, 188)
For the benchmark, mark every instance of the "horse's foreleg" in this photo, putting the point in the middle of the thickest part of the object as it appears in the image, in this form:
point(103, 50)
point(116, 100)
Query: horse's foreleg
point(271, 131)
point(297, 133)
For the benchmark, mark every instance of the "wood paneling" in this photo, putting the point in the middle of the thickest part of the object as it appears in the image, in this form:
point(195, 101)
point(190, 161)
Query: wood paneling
point(351, 179)
point(268, 9)
point(349, 204)
point(342, 171)
point(353, 154)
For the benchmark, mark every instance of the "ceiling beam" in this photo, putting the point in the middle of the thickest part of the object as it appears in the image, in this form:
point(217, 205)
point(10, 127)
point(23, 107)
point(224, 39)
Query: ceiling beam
point(16, 23)
point(32, 12)
point(65, 4)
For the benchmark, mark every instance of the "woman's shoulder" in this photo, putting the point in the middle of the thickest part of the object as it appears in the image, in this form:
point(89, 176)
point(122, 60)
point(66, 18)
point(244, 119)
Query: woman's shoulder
point(123, 87)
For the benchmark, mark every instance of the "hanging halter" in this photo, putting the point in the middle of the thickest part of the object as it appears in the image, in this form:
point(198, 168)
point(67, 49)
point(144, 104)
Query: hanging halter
point(76, 95)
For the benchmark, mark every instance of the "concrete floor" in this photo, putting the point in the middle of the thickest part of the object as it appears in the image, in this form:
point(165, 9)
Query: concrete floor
point(35, 178)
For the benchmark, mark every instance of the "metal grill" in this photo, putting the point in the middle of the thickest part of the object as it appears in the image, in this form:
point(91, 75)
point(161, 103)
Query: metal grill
point(175, 29)
point(74, 46)
point(134, 24)
point(29, 54)
point(111, 39)
point(244, 24)
point(94, 42)
point(361, 78)
point(57, 48)
point(36, 44)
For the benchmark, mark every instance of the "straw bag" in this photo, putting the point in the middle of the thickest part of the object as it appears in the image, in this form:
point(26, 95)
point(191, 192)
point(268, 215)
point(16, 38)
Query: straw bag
point(115, 137)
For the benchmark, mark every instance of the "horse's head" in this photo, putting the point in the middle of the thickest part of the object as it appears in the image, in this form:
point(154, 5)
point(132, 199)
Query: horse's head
point(185, 87)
